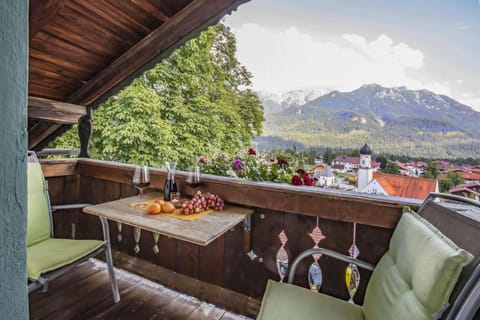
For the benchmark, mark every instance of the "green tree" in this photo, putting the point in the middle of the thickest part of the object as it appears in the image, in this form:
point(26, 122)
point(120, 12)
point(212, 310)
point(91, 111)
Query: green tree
point(197, 102)
point(391, 167)
point(445, 185)
point(431, 171)
point(328, 156)
point(355, 153)
point(382, 160)
point(456, 178)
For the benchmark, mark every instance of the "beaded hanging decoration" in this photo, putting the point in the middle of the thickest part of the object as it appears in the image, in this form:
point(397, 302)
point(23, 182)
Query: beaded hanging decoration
point(315, 277)
point(282, 256)
point(352, 274)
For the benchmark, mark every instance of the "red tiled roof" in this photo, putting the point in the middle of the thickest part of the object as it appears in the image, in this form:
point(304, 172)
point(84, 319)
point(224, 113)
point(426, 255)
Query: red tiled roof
point(405, 186)
point(460, 191)
point(421, 164)
point(401, 166)
point(471, 176)
point(469, 186)
point(354, 160)
point(376, 164)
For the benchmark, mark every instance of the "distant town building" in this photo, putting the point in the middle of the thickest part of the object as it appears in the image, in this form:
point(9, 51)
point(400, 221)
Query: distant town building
point(340, 168)
point(400, 186)
point(471, 177)
point(468, 190)
point(325, 177)
point(352, 164)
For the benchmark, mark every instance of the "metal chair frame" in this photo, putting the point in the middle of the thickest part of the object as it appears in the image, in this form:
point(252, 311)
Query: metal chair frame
point(464, 307)
point(44, 279)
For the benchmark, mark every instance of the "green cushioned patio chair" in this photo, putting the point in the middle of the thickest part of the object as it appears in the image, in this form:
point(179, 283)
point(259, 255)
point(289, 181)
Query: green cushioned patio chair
point(49, 257)
point(423, 275)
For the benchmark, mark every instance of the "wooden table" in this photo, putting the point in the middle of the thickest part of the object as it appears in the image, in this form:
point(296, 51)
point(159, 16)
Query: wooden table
point(201, 231)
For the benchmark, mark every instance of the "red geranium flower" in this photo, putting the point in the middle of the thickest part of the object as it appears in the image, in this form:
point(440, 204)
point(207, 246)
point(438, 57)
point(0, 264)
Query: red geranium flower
point(282, 162)
point(307, 180)
point(301, 172)
point(297, 181)
point(252, 152)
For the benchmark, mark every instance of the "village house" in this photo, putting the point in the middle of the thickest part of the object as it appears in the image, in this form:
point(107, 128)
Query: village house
point(401, 186)
point(351, 163)
point(468, 190)
point(325, 178)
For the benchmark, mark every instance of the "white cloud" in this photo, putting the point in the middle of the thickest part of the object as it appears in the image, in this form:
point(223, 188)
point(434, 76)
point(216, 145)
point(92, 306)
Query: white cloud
point(292, 59)
point(462, 26)
point(440, 88)
point(470, 99)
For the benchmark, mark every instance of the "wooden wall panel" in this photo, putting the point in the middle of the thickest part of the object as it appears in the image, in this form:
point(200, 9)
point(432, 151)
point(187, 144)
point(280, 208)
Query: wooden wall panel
point(223, 262)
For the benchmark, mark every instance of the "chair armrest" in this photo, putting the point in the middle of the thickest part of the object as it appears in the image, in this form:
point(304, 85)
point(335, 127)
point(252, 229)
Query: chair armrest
point(327, 252)
point(70, 206)
point(434, 195)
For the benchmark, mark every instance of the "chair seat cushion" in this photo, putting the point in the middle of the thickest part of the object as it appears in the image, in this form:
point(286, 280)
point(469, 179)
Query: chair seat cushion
point(286, 301)
point(52, 254)
point(415, 278)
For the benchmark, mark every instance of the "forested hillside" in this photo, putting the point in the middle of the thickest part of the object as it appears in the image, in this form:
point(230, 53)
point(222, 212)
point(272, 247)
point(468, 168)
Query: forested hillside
point(393, 120)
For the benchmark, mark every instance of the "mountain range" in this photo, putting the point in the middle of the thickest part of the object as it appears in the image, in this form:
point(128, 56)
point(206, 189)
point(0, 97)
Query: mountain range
point(417, 123)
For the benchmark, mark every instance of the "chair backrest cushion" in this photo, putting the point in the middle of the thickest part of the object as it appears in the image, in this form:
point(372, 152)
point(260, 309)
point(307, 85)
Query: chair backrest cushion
point(38, 221)
point(415, 278)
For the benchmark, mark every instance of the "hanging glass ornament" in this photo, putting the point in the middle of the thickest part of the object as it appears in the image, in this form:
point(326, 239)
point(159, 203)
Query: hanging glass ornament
point(282, 256)
point(352, 274)
point(119, 235)
point(315, 276)
point(156, 236)
point(137, 232)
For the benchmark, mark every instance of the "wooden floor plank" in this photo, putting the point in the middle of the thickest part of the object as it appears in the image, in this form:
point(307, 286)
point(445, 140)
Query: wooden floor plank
point(232, 316)
point(206, 311)
point(85, 293)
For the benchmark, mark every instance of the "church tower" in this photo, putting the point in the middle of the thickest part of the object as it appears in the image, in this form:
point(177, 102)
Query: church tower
point(365, 172)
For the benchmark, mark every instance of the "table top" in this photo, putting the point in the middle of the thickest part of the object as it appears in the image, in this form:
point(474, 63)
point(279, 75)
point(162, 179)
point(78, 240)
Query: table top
point(201, 231)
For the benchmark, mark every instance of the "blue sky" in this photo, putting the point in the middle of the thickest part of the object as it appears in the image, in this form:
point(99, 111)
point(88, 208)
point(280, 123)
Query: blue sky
point(341, 45)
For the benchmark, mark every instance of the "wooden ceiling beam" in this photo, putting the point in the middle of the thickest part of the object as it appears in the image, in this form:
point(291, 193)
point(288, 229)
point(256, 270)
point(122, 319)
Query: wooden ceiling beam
point(153, 10)
point(197, 14)
point(54, 111)
point(42, 12)
point(39, 133)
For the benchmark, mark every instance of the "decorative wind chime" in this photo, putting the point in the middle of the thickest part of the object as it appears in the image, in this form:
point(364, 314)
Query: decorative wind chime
point(282, 256)
point(352, 275)
point(315, 277)
point(137, 232)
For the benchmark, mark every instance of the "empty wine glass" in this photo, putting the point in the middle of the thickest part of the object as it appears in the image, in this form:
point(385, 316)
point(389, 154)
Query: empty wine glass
point(141, 180)
point(193, 176)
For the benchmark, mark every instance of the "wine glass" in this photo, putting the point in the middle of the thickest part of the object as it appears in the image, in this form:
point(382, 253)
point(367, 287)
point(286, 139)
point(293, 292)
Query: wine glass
point(141, 180)
point(193, 176)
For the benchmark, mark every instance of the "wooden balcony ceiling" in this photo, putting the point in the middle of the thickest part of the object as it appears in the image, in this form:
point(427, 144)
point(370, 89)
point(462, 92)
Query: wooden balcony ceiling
point(85, 293)
point(81, 50)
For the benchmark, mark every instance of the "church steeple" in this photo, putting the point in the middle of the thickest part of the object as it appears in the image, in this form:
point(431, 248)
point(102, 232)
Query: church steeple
point(365, 172)
point(365, 157)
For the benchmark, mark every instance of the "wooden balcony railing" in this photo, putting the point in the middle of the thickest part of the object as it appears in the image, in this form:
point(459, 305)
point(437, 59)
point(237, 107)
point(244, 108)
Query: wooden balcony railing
point(223, 263)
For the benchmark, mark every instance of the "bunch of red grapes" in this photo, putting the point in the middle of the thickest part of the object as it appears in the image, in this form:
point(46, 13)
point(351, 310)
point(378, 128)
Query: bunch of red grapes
point(201, 202)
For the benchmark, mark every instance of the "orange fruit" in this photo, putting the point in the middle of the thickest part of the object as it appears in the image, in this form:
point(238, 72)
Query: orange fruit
point(154, 208)
point(160, 202)
point(168, 207)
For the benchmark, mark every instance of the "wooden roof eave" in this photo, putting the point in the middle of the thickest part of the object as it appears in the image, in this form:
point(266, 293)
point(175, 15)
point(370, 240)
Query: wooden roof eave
point(159, 44)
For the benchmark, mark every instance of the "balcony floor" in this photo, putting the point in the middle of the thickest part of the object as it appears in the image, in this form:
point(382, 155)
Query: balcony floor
point(85, 293)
